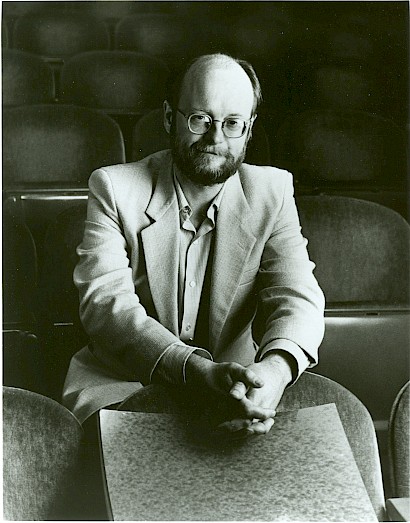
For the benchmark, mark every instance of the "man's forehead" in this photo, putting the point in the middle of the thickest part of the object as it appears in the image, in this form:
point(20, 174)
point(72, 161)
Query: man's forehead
point(214, 80)
point(212, 69)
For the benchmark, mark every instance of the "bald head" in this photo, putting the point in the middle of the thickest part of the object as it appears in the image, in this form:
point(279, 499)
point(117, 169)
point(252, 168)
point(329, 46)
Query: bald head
point(205, 66)
point(209, 64)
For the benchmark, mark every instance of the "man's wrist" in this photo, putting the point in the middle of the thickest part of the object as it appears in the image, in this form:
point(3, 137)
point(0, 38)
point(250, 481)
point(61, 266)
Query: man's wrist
point(283, 362)
point(195, 368)
point(171, 366)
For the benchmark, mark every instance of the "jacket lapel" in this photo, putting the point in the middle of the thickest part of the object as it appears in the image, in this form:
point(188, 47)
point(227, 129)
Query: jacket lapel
point(234, 241)
point(160, 242)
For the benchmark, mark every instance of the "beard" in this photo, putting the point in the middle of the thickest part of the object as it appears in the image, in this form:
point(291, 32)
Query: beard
point(195, 161)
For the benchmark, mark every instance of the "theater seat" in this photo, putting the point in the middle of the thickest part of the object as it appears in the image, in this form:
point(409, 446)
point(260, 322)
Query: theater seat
point(399, 444)
point(149, 136)
point(13, 10)
point(166, 36)
point(50, 144)
point(347, 153)
point(398, 503)
point(263, 35)
point(330, 146)
point(41, 448)
point(56, 35)
point(115, 81)
point(309, 391)
point(26, 79)
point(370, 34)
point(361, 251)
point(360, 248)
point(49, 153)
point(123, 84)
point(113, 11)
point(342, 85)
point(57, 289)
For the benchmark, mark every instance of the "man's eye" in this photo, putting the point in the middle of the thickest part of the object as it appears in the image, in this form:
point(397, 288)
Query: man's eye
point(198, 118)
point(233, 123)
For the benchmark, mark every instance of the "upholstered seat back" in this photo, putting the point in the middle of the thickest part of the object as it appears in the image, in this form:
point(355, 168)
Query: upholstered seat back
point(41, 446)
point(26, 79)
point(56, 144)
point(122, 81)
point(361, 250)
point(399, 444)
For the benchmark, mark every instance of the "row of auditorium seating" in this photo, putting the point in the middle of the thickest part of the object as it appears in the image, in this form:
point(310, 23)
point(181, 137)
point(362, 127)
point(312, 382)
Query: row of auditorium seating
point(360, 146)
point(337, 76)
point(357, 58)
point(328, 147)
point(55, 147)
point(337, 29)
point(48, 473)
point(117, 81)
point(121, 81)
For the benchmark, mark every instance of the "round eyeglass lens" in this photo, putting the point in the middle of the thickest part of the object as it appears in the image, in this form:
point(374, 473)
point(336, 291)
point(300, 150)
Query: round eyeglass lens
point(199, 123)
point(234, 127)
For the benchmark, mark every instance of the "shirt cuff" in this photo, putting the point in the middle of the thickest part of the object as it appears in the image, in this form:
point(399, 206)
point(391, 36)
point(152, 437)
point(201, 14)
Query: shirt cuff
point(172, 362)
point(302, 360)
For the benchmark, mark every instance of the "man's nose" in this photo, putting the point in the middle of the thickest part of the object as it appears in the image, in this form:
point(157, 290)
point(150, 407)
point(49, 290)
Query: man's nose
point(215, 133)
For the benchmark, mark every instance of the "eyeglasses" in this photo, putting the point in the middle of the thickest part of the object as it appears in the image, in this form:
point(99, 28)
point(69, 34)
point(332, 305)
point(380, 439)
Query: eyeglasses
point(199, 123)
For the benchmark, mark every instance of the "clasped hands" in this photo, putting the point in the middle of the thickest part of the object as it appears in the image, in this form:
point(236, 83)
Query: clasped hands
point(245, 397)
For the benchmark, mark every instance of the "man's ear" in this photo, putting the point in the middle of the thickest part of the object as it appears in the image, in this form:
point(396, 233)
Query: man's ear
point(249, 137)
point(167, 116)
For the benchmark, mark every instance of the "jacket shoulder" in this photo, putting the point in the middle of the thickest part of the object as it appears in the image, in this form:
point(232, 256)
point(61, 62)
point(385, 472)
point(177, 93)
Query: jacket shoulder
point(264, 181)
point(265, 173)
point(141, 172)
point(135, 178)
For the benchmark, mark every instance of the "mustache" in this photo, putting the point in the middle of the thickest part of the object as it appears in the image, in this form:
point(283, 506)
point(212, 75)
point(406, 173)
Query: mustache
point(197, 148)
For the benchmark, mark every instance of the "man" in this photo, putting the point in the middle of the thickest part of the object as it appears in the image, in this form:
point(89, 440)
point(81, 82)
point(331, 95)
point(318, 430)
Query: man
point(179, 252)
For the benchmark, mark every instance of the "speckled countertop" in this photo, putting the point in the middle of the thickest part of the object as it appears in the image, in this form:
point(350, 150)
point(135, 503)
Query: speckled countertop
point(303, 470)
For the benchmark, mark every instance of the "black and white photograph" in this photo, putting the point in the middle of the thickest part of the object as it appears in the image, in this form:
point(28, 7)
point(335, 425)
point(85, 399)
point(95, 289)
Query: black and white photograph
point(205, 260)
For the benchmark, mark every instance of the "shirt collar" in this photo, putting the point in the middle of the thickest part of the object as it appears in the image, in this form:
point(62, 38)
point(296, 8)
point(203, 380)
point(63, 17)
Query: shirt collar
point(185, 209)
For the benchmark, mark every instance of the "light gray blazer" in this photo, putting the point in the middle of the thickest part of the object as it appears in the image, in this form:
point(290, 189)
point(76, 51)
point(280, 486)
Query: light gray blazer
point(127, 276)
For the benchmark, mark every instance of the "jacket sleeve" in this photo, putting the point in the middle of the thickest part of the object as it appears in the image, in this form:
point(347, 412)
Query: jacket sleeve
point(123, 337)
point(291, 300)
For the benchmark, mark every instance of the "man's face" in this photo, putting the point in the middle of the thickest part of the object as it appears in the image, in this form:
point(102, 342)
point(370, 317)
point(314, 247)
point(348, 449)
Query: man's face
point(220, 92)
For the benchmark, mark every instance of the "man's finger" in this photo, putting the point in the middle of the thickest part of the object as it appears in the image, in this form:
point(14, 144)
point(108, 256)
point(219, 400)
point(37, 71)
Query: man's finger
point(251, 379)
point(261, 427)
point(238, 390)
point(235, 425)
point(247, 376)
point(256, 411)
